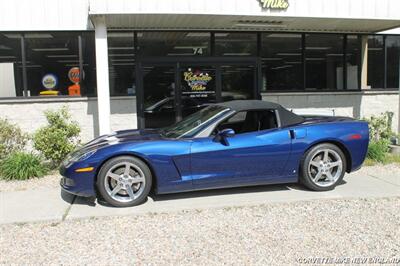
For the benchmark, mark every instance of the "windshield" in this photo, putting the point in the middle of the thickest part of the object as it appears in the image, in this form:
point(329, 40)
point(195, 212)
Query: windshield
point(193, 123)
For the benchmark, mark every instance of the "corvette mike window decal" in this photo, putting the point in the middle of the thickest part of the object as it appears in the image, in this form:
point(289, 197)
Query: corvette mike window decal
point(197, 80)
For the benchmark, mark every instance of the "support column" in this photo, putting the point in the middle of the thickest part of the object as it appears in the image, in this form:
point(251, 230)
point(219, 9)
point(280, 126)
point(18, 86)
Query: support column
point(364, 62)
point(103, 91)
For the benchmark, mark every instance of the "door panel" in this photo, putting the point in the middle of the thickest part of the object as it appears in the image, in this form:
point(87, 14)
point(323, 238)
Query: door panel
point(249, 158)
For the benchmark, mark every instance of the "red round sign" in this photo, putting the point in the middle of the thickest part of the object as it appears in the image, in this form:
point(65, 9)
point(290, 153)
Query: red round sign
point(73, 75)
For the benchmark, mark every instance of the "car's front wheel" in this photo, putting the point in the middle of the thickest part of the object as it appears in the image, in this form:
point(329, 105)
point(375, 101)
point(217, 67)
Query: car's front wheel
point(323, 167)
point(124, 181)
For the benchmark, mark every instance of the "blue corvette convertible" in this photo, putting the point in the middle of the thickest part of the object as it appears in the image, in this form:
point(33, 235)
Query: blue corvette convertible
point(237, 143)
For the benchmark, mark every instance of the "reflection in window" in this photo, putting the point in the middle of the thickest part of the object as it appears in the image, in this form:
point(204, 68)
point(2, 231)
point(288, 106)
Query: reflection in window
point(174, 43)
point(393, 61)
point(324, 61)
point(353, 61)
point(121, 55)
point(89, 65)
point(235, 44)
point(53, 64)
point(237, 82)
point(10, 65)
point(375, 61)
point(282, 67)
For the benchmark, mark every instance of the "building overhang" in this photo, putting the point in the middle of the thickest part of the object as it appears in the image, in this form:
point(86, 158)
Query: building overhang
point(358, 16)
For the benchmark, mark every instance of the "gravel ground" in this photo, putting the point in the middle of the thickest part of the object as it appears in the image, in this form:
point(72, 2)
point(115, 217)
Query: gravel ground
point(275, 234)
point(53, 180)
point(49, 181)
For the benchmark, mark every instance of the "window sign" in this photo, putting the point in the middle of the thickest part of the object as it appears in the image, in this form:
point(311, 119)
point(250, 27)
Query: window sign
point(49, 82)
point(198, 83)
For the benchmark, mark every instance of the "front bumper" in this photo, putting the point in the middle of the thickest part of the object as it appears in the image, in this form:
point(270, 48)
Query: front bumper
point(80, 184)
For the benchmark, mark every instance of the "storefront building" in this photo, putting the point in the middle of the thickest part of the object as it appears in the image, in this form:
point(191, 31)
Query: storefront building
point(122, 64)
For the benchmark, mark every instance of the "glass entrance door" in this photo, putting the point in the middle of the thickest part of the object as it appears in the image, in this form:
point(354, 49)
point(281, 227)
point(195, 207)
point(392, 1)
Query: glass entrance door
point(172, 91)
point(159, 88)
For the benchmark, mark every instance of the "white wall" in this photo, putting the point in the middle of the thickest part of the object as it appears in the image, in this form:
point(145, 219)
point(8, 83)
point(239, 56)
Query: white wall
point(84, 111)
point(371, 9)
point(31, 15)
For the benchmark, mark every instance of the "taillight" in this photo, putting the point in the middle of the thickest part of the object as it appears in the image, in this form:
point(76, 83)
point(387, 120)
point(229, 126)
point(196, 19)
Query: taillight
point(355, 136)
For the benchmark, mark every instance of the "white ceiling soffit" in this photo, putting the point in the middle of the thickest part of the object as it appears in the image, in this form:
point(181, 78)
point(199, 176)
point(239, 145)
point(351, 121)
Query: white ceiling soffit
point(245, 23)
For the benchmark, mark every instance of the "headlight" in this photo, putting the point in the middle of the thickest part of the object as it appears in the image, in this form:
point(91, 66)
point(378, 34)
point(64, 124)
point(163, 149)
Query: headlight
point(84, 156)
point(77, 157)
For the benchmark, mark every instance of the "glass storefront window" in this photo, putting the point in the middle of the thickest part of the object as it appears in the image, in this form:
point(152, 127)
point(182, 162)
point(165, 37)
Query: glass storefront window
point(238, 82)
point(393, 61)
point(53, 64)
point(235, 44)
point(353, 64)
point(174, 43)
point(376, 61)
point(89, 83)
point(121, 55)
point(324, 61)
point(282, 67)
point(11, 84)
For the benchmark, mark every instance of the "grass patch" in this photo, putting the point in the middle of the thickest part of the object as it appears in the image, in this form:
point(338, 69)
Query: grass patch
point(22, 166)
point(387, 159)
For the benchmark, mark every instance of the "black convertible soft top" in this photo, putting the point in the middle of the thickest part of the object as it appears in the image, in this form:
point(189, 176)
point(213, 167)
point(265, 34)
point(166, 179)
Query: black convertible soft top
point(286, 117)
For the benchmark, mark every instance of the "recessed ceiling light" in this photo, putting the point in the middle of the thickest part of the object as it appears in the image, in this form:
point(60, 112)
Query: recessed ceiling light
point(68, 61)
point(121, 48)
point(120, 34)
point(198, 34)
point(29, 36)
point(318, 48)
point(121, 55)
point(251, 25)
point(288, 54)
point(49, 49)
point(61, 55)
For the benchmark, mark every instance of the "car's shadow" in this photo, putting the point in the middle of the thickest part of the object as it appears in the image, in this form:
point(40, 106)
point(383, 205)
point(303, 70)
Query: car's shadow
point(192, 194)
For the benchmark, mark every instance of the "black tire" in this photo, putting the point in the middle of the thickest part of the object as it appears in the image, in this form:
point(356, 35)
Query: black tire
point(115, 162)
point(306, 177)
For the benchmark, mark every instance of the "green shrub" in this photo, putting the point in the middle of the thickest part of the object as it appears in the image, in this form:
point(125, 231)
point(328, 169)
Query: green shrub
point(377, 150)
point(59, 137)
point(11, 138)
point(21, 166)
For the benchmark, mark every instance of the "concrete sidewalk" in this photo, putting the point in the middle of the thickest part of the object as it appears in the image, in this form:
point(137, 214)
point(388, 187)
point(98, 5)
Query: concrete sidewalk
point(53, 205)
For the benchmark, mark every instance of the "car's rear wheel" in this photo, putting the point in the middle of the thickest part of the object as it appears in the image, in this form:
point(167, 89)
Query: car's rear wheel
point(323, 167)
point(124, 181)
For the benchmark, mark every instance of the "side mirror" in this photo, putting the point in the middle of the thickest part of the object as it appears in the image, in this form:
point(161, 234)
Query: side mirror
point(223, 135)
point(227, 133)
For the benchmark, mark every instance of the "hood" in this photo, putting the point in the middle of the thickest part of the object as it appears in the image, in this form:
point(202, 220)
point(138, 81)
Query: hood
point(124, 136)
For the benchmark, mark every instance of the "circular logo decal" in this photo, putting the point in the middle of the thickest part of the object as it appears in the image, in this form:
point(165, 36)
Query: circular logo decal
point(73, 75)
point(49, 81)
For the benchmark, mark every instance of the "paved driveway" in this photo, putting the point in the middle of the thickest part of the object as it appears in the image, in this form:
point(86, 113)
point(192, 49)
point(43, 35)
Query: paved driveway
point(49, 204)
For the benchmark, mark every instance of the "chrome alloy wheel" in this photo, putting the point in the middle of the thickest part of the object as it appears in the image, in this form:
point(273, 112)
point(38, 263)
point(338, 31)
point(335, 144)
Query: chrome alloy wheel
point(124, 182)
point(325, 167)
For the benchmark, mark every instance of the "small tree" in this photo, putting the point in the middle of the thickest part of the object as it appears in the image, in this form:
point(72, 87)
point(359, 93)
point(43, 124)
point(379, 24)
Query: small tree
point(380, 127)
point(12, 139)
point(59, 137)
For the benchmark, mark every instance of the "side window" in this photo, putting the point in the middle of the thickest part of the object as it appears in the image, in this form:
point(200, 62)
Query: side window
point(250, 121)
point(239, 117)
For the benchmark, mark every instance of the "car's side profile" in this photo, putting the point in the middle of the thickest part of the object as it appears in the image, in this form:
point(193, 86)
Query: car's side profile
point(238, 143)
